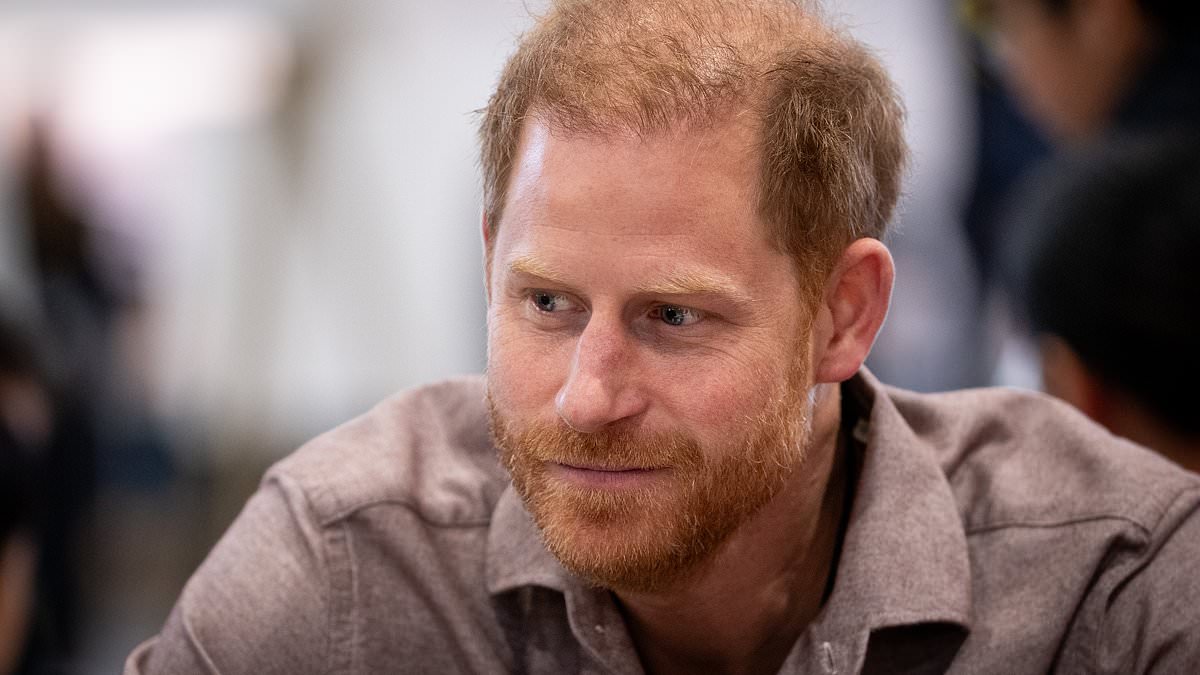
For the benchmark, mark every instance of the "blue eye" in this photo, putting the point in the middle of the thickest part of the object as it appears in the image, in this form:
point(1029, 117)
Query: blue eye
point(547, 302)
point(676, 316)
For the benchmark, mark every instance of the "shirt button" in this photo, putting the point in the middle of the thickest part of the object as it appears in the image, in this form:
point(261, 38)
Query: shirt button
point(828, 661)
point(599, 629)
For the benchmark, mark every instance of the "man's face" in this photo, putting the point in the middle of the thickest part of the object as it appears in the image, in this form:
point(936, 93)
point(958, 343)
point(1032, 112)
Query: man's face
point(1067, 69)
point(648, 362)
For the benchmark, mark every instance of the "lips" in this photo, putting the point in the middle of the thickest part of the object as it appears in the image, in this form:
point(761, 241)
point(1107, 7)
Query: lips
point(607, 469)
point(593, 476)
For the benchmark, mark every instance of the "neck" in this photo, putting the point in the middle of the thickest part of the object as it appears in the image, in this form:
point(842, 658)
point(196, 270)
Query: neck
point(747, 607)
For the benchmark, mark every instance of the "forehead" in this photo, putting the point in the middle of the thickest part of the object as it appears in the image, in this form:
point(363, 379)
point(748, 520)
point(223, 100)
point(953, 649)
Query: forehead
point(717, 164)
point(690, 192)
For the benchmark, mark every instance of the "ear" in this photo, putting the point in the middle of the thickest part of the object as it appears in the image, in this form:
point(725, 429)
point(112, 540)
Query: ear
point(1066, 376)
point(852, 309)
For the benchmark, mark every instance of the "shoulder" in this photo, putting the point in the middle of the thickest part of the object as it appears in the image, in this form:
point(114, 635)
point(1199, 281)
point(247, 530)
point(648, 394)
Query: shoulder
point(1090, 539)
point(390, 510)
point(1020, 458)
point(426, 449)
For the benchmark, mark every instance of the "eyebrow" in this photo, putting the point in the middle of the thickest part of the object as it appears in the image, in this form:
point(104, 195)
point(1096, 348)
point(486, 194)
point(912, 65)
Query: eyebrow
point(535, 267)
point(685, 282)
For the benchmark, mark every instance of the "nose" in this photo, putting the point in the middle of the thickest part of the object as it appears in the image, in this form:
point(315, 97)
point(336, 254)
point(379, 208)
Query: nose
point(601, 387)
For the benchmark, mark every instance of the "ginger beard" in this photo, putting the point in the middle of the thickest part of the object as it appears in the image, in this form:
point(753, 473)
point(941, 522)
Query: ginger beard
point(651, 538)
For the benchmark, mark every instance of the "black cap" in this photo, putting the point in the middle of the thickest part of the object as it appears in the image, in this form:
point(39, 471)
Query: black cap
point(1112, 265)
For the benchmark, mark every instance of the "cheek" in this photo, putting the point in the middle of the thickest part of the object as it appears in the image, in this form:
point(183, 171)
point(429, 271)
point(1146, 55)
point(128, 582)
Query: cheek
point(524, 370)
point(715, 399)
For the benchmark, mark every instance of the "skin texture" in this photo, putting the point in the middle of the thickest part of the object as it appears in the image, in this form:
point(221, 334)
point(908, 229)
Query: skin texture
point(642, 511)
point(616, 234)
point(1069, 70)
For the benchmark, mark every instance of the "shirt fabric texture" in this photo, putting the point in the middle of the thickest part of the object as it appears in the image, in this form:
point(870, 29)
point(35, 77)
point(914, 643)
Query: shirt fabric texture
point(991, 531)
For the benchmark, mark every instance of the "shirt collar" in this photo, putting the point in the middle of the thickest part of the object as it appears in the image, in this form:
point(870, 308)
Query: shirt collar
point(516, 556)
point(904, 557)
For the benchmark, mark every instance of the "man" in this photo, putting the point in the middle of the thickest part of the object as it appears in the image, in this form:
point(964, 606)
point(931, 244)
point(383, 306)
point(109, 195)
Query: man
point(1118, 233)
point(25, 421)
point(1093, 73)
point(684, 201)
point(1081, 67)
point(1082, 71)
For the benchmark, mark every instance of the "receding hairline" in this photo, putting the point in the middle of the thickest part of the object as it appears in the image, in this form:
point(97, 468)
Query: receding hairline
point(700, 132)
point(749, 41)
point(830, 139)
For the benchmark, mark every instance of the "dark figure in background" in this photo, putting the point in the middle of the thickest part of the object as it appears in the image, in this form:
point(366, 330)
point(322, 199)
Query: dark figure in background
point(1112, 288)
point(47, 479)
point(1079, 70)
point(19, 424)
point(1097, 73)
point(18, 550)
point(26, 418)
point(60, 348)
point(1007, 145)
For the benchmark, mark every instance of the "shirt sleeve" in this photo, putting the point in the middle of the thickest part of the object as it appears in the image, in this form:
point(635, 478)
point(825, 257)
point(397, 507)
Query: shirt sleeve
point(260, 602)
point(1152, 622)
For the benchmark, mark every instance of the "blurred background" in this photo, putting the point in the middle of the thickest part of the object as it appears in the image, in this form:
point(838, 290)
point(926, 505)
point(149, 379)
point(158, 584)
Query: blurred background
point(228, 226)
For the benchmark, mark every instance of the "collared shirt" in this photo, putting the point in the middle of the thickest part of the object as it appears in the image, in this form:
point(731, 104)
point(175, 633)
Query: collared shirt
point(991, 531)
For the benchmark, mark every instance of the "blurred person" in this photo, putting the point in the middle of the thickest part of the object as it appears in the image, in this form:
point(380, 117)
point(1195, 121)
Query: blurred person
point(25, 434)
point(1086, 72)
point(1081, 67)
point(18, 549)
point(1081, 71)
point(1006, 146)
point(683, 207)
point(76, 305)
point(1112, 288)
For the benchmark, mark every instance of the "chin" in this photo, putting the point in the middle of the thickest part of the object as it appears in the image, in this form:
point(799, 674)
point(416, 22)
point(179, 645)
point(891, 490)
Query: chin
point(626, 541)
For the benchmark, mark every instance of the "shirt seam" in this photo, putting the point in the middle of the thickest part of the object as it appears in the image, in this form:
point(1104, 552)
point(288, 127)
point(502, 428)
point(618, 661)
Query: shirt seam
point(352, 614)
point(190, 630)
point(1101, 628)
point(347, 512)
point(898, 619)
point(1049, 524)
point(341, 599)
point(328, 554)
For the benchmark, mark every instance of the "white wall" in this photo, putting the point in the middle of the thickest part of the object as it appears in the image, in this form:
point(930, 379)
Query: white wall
point(305, 264)
point(351, 265)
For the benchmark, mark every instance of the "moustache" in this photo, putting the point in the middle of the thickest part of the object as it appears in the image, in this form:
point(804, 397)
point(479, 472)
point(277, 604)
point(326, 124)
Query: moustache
point(606, 449)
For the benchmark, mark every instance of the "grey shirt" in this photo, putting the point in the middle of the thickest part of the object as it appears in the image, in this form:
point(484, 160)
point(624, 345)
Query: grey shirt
point(991, 531)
